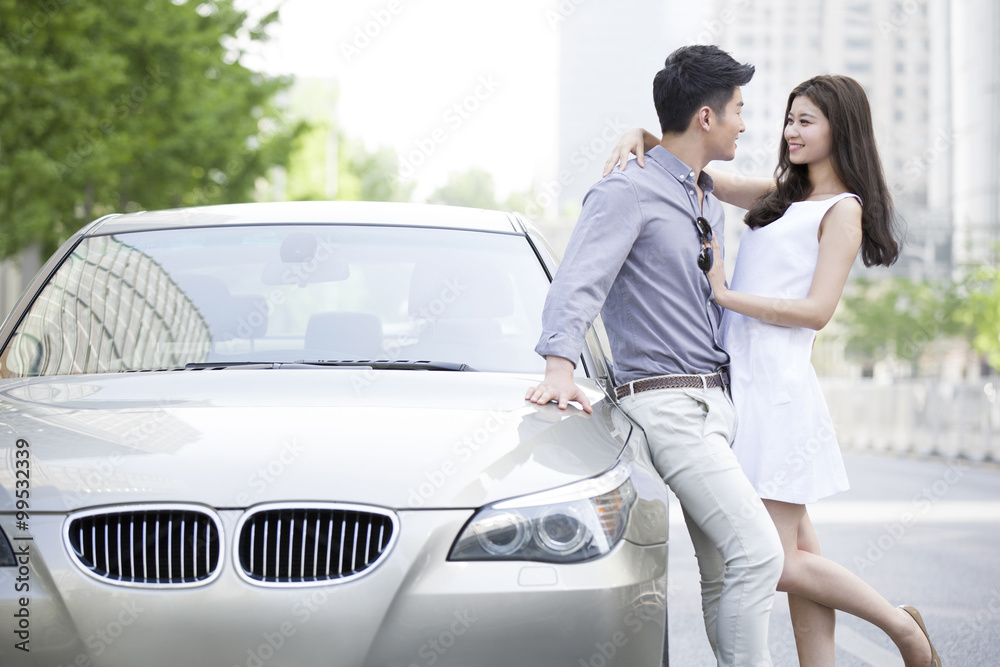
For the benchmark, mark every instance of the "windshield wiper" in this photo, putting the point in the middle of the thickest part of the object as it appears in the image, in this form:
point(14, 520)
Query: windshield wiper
point(213, 365)
point(381, 364)
point(205, 365)
point(384, 364)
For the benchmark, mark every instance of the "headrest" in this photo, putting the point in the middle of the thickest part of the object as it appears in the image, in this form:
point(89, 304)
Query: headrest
point(461, 287)
point(227, 315)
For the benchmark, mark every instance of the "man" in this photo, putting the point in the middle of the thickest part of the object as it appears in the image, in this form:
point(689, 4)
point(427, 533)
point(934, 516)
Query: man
point(635, 252)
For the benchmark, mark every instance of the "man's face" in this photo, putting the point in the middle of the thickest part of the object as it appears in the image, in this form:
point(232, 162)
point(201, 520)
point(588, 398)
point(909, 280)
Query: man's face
point(727, 128)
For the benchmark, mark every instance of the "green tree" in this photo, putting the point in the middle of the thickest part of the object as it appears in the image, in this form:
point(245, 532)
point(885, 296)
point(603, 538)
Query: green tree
point(118, 105)
point(527, 202)
point(327, 164)
point(367, 176)
point(473, 187)
point(980, 312)
point(897, 318)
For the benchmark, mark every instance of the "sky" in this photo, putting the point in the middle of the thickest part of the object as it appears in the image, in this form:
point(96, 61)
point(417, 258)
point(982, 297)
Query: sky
point(449, 84)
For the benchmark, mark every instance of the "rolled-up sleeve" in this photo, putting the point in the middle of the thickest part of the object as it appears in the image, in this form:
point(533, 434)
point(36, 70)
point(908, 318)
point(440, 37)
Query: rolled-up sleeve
point(609, 224)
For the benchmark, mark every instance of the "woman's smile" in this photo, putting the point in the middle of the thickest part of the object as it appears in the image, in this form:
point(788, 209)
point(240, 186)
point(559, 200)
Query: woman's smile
point(806, 121)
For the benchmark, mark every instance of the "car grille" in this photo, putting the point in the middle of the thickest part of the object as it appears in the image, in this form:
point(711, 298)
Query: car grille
point(152, 545)
point(299, 544)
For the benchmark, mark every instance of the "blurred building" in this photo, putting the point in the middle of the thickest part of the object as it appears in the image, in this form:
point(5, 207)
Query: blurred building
point(975, 99)
point(605, 85)
point(900, 53)
point(109, 308)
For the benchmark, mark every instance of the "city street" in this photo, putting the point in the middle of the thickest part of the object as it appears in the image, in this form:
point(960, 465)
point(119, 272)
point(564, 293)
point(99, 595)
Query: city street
point(921, 531)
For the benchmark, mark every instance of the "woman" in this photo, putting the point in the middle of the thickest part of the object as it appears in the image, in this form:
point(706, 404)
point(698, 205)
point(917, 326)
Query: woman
point(828, 201)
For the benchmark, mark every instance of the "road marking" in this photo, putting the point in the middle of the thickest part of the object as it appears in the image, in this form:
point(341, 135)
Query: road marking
point(859, 646)
point(921, 509)
point(918, 511)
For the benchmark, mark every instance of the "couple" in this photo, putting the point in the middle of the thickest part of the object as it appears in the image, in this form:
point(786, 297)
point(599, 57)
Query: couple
point(647, 253)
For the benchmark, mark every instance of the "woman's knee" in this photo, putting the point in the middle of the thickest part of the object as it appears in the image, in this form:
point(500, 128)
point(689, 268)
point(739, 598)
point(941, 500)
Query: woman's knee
point(791, 575)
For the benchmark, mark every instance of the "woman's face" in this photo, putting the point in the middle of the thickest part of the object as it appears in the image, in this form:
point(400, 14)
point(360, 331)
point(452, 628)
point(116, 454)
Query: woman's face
point(807, 132)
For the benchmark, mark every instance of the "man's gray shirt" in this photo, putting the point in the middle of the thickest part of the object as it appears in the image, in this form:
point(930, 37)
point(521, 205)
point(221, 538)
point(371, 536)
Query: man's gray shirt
point(633, 257)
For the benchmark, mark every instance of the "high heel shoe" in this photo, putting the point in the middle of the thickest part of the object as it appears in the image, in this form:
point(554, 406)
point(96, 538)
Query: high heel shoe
point(912, 611)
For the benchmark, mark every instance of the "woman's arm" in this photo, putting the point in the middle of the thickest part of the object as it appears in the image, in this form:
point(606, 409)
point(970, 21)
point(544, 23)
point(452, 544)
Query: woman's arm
point(840, 239)
point(739, 190)
point(733, 189)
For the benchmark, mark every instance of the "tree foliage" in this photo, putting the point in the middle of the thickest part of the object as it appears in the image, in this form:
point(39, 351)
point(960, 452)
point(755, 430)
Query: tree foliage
point(370, 176)
point(980, 312)
point(120, 105)
point(328, 164)
point(473, 187)
point(897, 318)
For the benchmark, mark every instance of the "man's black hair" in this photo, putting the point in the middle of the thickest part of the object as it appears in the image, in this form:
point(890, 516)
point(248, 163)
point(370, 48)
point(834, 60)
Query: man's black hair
point(693, 77)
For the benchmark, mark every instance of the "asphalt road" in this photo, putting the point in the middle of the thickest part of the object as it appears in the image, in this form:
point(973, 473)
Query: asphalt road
point(924, 532)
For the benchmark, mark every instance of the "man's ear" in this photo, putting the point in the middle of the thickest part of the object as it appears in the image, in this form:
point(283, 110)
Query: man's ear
point(705, 117)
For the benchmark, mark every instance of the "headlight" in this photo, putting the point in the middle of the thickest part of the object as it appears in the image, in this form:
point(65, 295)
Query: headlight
point(566, 525)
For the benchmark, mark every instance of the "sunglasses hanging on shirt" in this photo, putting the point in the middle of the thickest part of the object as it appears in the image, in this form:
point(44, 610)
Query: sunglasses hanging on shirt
point(705, 257)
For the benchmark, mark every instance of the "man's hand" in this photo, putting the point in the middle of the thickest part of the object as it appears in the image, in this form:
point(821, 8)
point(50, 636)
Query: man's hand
point(559, 386)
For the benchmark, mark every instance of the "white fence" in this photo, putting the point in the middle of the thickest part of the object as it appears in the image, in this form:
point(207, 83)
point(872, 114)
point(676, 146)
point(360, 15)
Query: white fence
point(920, 416)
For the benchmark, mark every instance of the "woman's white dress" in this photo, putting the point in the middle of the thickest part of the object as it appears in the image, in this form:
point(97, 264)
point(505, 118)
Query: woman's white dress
point(785, 440)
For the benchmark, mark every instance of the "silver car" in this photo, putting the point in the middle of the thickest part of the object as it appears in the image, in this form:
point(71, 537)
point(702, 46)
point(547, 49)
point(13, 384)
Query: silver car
point(295, 434)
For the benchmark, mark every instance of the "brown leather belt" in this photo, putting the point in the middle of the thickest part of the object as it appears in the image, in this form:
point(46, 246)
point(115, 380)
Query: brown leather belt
point(720, 379)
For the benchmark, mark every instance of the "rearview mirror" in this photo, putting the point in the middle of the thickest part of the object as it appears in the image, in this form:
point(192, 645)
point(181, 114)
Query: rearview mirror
point(304, 259)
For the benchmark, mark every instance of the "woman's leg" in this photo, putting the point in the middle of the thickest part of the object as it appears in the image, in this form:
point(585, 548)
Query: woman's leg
point(812, 577)
point(812, 622)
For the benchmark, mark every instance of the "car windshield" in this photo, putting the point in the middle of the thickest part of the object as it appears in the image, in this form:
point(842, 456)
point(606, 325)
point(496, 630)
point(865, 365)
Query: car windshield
point(168, 298)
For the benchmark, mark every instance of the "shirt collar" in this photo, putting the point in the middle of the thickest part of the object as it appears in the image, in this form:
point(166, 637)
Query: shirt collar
point(679, 170)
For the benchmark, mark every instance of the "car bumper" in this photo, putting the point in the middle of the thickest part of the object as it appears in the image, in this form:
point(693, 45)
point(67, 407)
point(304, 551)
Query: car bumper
point(415, 608)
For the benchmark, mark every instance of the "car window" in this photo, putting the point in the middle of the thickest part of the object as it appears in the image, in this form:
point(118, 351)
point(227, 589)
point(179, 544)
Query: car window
point(166, 298)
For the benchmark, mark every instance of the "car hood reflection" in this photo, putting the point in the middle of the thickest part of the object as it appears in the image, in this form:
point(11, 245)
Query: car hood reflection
point(235, 438)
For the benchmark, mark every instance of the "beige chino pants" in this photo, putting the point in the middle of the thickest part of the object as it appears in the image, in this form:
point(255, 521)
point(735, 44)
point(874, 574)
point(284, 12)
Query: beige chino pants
point(689, 432)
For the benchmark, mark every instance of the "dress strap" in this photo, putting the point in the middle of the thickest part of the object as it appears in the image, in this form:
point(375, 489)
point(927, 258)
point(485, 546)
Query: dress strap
point(843, 195)
point(827, 204)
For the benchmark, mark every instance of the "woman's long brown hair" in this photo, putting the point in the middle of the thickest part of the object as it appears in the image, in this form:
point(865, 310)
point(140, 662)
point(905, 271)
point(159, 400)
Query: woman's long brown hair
point(854, 155)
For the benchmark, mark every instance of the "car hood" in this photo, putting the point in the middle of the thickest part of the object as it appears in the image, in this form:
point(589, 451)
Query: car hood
point(238, 437)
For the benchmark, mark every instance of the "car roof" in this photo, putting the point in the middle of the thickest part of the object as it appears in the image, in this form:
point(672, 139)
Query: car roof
point(311, 212)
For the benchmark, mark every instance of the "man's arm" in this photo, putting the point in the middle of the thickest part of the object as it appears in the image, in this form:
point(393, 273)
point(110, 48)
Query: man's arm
point(609, 224)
